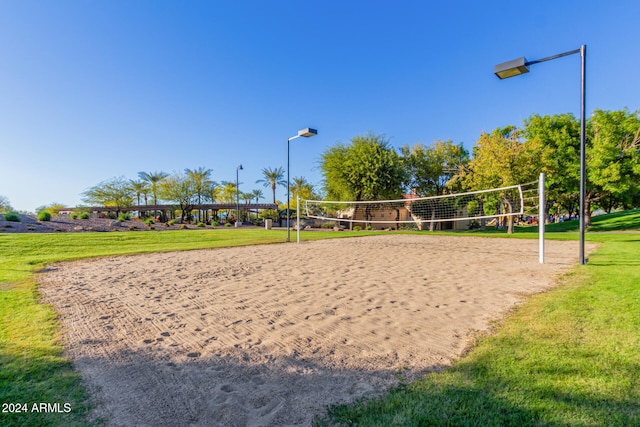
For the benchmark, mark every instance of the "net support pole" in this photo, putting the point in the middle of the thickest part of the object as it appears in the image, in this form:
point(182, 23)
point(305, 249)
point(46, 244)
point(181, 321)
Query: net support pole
point(541, 218)
point(298, 217)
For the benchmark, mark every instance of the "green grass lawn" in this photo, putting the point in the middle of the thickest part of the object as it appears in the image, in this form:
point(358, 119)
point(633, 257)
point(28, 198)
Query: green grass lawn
point(567, 357)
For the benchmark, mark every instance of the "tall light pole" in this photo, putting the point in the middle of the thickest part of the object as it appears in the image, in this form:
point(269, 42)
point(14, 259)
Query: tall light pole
point(307, 132)
point(239, 168)
point(521, 66)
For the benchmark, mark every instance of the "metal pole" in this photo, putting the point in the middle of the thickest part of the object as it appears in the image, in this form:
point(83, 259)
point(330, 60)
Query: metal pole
point(583, 157)
point(298, 216)
point(541, 218)
point(237, 195)
point(288, 230)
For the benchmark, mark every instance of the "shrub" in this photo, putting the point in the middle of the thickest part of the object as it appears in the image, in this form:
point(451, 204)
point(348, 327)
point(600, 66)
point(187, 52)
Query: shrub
point(149, 221)
point(12, 216)
point(357, 228)
point(369, 228)
point(123, 217)
point(85, 215)
point(200, 224)
point(228, 224)
point(73, 215)
point(44, 216)
point(171, 222)
point(215, 223)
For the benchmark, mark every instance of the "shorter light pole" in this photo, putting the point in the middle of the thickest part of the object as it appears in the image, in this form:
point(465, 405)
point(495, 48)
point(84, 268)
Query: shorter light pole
point(307, 132)
point(239, 168)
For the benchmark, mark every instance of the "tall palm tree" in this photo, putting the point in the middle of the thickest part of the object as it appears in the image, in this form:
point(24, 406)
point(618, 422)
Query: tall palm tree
point(273, 177)
point(257, 194)
point(140, 188)
point(202, 181)
point(153, 178)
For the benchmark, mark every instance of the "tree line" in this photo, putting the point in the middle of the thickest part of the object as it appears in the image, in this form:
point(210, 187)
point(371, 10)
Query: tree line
point(370, 169)
point(189, 190)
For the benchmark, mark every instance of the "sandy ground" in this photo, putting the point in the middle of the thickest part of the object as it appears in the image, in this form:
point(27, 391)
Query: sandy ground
point(270, 335)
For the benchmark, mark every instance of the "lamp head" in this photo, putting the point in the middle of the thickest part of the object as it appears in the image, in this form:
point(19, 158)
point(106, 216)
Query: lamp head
point(307, 132)
point(511, 68)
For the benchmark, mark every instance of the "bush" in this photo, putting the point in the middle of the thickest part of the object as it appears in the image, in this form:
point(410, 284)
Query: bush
point(200, 224)
point(215, 223)
point(73, 215)
point(123, 217)
point(12, 216)
point(44, 216)
point(149, 221)
point(228, 224)
point(357, 228)
point(369, 228)
point(171, 222)
point(85, 215)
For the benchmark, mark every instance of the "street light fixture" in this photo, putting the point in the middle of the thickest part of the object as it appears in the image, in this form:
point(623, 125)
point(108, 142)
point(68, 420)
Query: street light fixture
point(521, 66)
point(239, 168)
point(306, 133)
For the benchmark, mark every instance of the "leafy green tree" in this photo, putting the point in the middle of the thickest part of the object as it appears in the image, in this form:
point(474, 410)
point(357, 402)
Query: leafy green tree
point(432, 167)
point(559, 139)
point(180, 189)
point(5, 206)
point(612, 158)
point(115, 192)
point(273, 178)
point(613, 165)
point(500, 159)
point(366, 169)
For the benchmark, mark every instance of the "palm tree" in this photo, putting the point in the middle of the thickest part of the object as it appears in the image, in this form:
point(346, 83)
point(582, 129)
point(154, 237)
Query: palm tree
point(257, 194)
point(202, 181)
point(299, 185)
point(153, 178)
point(273, 177)
point(247, 198)
point(140, 188)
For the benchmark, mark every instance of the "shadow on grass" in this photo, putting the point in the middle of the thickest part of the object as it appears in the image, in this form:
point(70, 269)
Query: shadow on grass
point(471, 394)
point(43, 390)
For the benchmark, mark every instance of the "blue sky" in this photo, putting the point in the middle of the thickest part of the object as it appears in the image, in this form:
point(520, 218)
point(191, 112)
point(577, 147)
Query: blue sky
point(91, 90)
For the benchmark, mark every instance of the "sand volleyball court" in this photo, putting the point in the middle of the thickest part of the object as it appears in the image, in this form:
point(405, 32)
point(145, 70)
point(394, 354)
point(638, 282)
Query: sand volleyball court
point(269, 335)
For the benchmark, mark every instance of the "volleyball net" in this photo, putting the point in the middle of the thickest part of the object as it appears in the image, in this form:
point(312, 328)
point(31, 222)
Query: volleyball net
point(458, 210)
